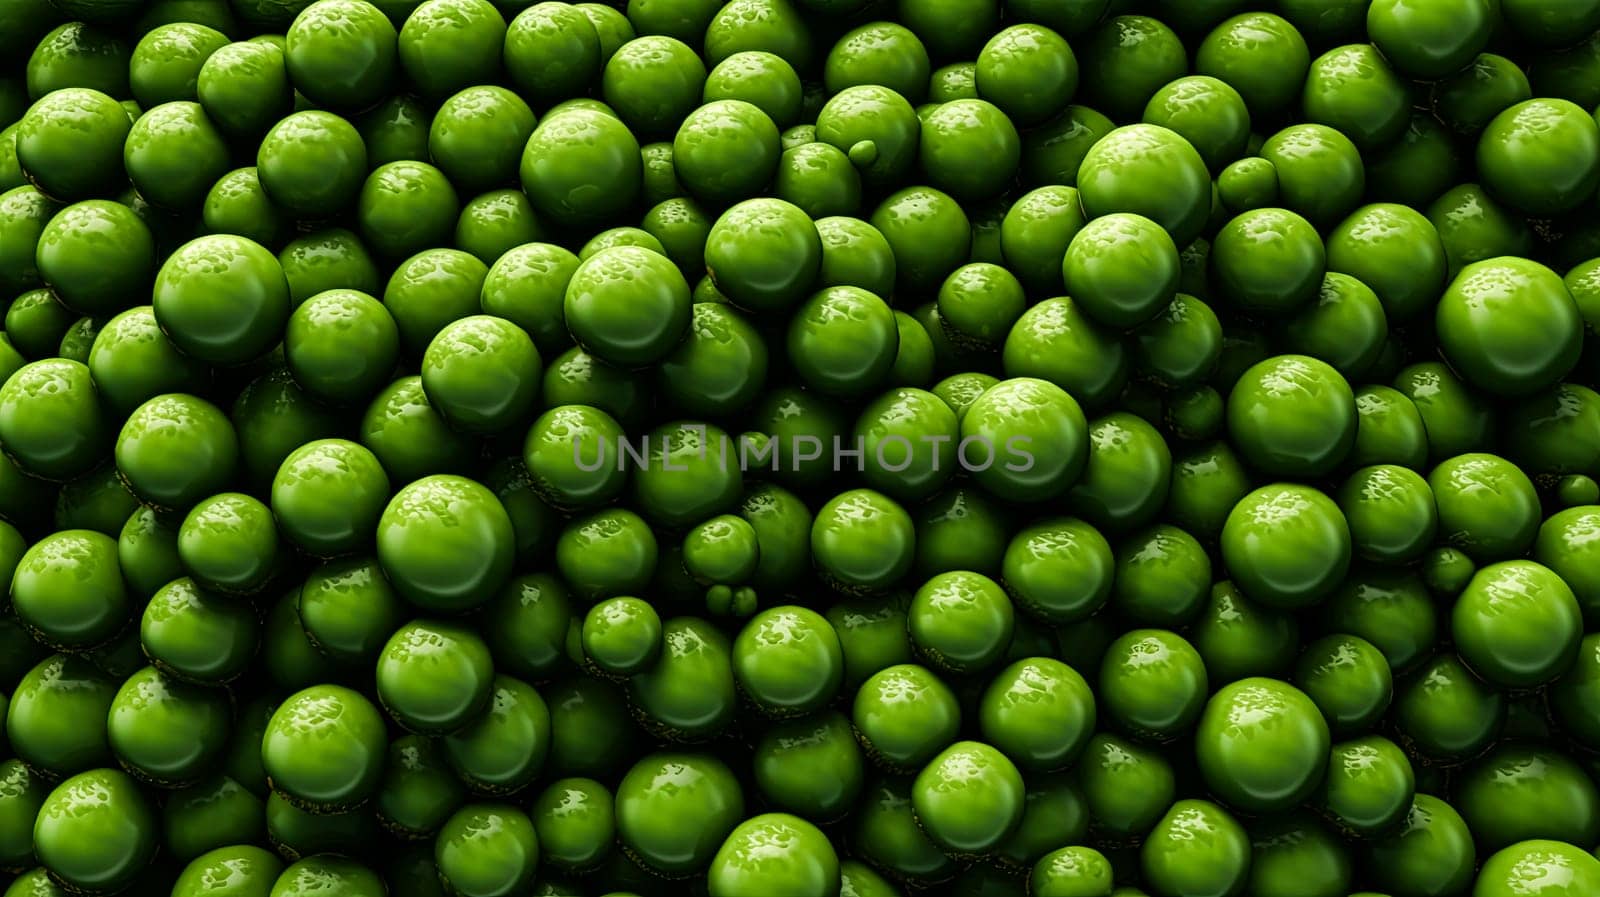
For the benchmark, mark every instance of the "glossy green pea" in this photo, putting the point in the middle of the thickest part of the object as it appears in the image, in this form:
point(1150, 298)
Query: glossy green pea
point(1572, 698)
point(1487, 506)
point(1345, 326)
point(660, 177)
point(341, 346)
point(50, 419)
point(969, 149)
point(691, 692)
point(576, 823)
point(445, 542)
point(1349, 680)
point(236, 204)
point(68, 589)
point(250, 320)
point(909, 437)
point(1060, 571)
point(228, 543)
point(968, 798)
point(1354, 89)
point(312, 164)
point(1495, 618)
point(1530, 349)
point(862, 540)
point(575, 157)
point(572, 454)
point(70, 143)
point(960, 529)
point(1059, 341)
point(1319, 172)
point(725, 151)
point(1389, 608)
point(1563, 544)
point(526, 625)
point(722, 550)
point(244, 87)
point(690, 473)
point(960, 621)
point(1127, 787)
point(872, 635)
point(328, 496)
point(174, 154)
point(93, 254)
point(166, 731)
point(526, 286)
point(22, 793)
point(1262, 745)
point(55, 720)
point(888, 836)
point(96, 501)
point(1125, 60)
point(1035, 233)
point(904, 715)
point(1031, 438)
point(324, 747)
point(674, 809)
point(576, 377)
point(776, 852)
point(434, 677)
point(929, 234)
point(1161, 577)
point(1153, 683)
point(720, 367)
point(1248, 184)
point(430, 290)
point(1206, 483)
point(1556, 432)
point(232, 871)
point(96, 831)
point(211, 815)
point(1370, 786)
point(1238, 638)
point(1292, 415)
point(492, 224)
point(1196, 848)
point(1473, 227)
point(1520, 792)
point(1428, 43)
point(327, 260)
point(340, 54)
point(1455, 421)
point(1540, 156)
point(610, 552)
point(504, 748)
point(1468, 100)
point(446, 45)
point(1391, 513)
point(788, 661)
point(1446, 713)
point(621, 636)
point(487, 850)
point(1071, 872)
point(314, 873)
point(1268, 261)
point(1540, 867)
point(1389, 429)
point(1286, 545)
point(1039, 712)
point(35, 323)
point(537, 38)
point(1053, 812)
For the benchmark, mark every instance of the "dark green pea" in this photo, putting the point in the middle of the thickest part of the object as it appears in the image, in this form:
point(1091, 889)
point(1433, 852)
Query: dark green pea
point(1389, 429)
point(1576, 489)
point(880, 53)
point(1390, 609)
point(96, 831)
point(872, 635)
point(35, 323)
point(97, 501)
point(565, 471)
point(504, 749)
point(887, 835)
point(526, 625)
point(243, 760)
point(1127, 786)
point(590, 730)
point(22, 793)
point(232, 871)
point(342, 54)
point(959, 529)
point(1161, 578)
point(1248, 184)
point(348, 609)
point(1573, 696)
point(1487, 506)
point(51, 421)
point(781, 524)
point(55, 721)
point(68, 589)
point(244, 87)
point(968, 798)
point(1292, 855)
point(1196, 848)
point(578, 378)
point(1418, 167)
point(1370, 786)
point(211, 816)
point(674, 809)
point(325, 747)
point(1445, 713)
point(1349, 680)
point(1053, 813)
point(576, 823)
point(1125, 60)
point(1520, 791)
point(327, 260)
point(855, 253)
point(1262, 744)
point(1206, 483)
point(1056, 340)
point(316, 873)
point(1238, 638)
point(165, 731)
point(434, 677)
point(691, 692)
point(1391, 513)
point(810, 766)
point(1555, 432)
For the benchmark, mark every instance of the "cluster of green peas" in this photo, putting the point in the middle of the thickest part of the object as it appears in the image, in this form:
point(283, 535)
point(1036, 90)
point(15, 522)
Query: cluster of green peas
point(800, 448)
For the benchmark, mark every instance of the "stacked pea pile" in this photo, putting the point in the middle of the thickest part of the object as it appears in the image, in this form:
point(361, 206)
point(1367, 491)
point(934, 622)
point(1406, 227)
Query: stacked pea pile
point(800, 448)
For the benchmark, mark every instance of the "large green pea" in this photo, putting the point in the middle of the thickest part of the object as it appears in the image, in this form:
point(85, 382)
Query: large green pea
point(239, 870)
point(1286, 545)
point(960, 621)
point(1509, 326)
point(1127, 787)
point(691, 692)
point(325, 260)
point(1161, 577)
point(1556, 432)
point(558, 450)
point(1524, 791)
point(93, 254)
point(1517, 624)
point(526, 286)
point(887, 835)
point(1060, 570)
point(1389, 429)
point(1473, 227)
point(609, 552)
point(328, 496)
point(1539, 868)
point(1122, 268)
point(222, 299)
point(620, 636)
point(1319, 172)
point(1446, 713)
point(575, 820)
point(1456, 421)
point(862, 541)
point(1196, 848)
point(627, 305)
point(929, 233)
point(56, 718)
point(324, 747)
point(430, 290)
point(446, 543)
point(174, 154)
point(1262, 744)
point(1573, 697)
point(1369, 787)
point(1487, 506)
point(1153, 683)
point(1293, 415)
point(904, 715)
point(68, 589)
point(1349, 680)
point(165, 731)
point(1057, 340)
point(788, 661)
point(487, 850)
point(674, 809)
point(211, 815)
point(877, 127)
point(409, 437)
point(197, 636)
point(1039, 712)
point(291, 660)
point(341, 53)
point(349, 609)
point(1389, 608)
point(244, 87)
point(51, 421)
point(341, 346)
point(725, 151)
point(505, 748)
point(843, 341)
point(774, 853)
point(1391, 513)
point(1565, 545)
point(969, 798)
point(812, 766)
point(1540, 157)
point(69, 145)
point(1031, 440)
point(959, 529)
point(1053, 813)
point(22, 793)
point(1346, 326)
point(435, 677)
point(1268, 261)
point(493, 223)
point(229, 544)
point(96, 831)
point(581, 167)
point(312, 164)
point(1126, 480)
point(969, 149)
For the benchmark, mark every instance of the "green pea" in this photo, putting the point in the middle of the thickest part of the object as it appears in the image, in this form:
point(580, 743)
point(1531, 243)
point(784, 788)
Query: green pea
point(244, 87)
point(1161, 578)
point(1349, 680)
point(1196, 848)
point(1390, 609)
point(69, 145)
point(1542, 175)
point(1370, 786)
point(811, 766)
point(781, 524)
point(1497, 642)
point(1551, 866)
point(961, 621)
point(314, 873)
point(674, 809)
point(1519, 792)
point(691, 691)
point(50, 419)
point(96, 831)
point(1053, 811)
point(888, 836)
point(98, 501)
point(211, 816)
point(1262, 744)
point(1319, 172)
point(56, 718)
point(1127, 787)
point(575, 822)
point(1445, 713)
point(165, 731)
point(621, 636)
point(1391, 513)
point(1153, 683)
point(774, 853)
point(242, 870)
point(1304, 558)
point(904, 715)
point(228, 543)
point(324, 746)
